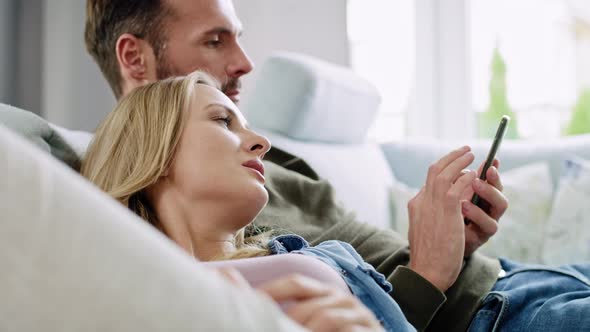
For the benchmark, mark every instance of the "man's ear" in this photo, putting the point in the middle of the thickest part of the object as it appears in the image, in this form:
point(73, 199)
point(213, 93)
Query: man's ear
point(137, 62)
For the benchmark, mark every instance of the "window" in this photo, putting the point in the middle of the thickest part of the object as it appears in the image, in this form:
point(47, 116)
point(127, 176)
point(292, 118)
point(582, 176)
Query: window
point(434, 64)
point(381, 34)
point(539, 43)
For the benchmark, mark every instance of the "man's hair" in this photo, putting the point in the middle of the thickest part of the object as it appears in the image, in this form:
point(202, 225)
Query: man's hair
point(107, 20)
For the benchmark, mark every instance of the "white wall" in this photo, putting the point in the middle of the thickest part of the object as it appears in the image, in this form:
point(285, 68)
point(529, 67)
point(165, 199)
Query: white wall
point(7, 50)
point(76, 96)
point(313, 27)
point(27, 83)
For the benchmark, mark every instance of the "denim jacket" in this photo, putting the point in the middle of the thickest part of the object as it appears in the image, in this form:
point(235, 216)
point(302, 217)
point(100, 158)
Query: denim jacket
point(364, 281)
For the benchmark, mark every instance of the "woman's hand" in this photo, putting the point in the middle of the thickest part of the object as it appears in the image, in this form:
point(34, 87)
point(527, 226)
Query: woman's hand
point(313, 304)
point(436, 229)
point(319, 307)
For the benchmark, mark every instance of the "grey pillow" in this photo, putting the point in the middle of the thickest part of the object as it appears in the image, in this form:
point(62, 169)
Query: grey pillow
point(39, 131)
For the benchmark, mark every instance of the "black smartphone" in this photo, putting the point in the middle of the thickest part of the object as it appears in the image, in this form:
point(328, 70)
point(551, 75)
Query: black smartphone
point(476, 200)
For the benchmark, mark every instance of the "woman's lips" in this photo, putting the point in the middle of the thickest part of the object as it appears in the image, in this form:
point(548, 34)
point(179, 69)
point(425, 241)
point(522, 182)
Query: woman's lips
point(256, 165)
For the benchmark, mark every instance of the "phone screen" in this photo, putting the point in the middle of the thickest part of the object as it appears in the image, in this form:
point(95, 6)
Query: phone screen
point(489, 160)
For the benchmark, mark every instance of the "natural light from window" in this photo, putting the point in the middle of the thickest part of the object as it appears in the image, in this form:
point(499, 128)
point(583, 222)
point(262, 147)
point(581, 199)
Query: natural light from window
point(527, 58)
point(541, 46)
point(382, 50)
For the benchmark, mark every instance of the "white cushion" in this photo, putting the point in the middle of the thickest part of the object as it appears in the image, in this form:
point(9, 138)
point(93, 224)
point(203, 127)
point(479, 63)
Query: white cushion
point(568, 229)
point(359, 174)
point(75, 260)
point(311, 100)
point(520, 235)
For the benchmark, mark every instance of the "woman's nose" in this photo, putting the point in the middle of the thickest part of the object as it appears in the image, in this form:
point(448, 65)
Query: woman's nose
point(260, 145)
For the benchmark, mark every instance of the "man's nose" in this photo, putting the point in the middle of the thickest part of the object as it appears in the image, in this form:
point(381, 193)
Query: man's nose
point(240, 64)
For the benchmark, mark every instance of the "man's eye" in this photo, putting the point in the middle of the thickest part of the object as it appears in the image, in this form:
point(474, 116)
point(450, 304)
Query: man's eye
point(213, 43)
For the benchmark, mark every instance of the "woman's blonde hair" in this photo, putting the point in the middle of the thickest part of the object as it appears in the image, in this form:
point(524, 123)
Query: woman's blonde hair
point(135, 145)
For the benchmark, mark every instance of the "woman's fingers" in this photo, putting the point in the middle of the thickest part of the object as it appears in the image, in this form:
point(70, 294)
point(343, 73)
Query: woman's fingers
point(305, 311)
point(294, 287)
point(318, 306)
point(341, 320)
point(233, 276)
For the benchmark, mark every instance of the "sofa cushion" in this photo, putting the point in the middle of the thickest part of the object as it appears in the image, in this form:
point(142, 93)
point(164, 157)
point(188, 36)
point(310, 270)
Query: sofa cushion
point(73, 259)
point(311, 100)
point(359, 174)
point(521, 232)
point(568, 229)
point(68, 148)
point(76, 140)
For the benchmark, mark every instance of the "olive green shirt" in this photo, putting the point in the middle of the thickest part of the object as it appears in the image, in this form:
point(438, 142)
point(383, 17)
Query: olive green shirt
point(301, 203)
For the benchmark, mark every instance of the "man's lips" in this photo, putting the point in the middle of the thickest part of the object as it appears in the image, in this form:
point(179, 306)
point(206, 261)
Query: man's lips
point(256, 165)
point(233, 93)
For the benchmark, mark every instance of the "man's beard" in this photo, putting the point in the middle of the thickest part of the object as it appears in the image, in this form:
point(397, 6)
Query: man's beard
point(165, 70)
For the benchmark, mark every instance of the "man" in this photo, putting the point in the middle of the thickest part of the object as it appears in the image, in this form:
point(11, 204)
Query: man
point(441, 285)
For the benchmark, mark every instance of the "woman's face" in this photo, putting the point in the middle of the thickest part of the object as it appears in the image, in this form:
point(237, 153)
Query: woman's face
point(218, 159)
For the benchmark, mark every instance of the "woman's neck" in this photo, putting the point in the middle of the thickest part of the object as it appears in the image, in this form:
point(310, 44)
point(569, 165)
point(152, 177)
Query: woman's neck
point(204, 229)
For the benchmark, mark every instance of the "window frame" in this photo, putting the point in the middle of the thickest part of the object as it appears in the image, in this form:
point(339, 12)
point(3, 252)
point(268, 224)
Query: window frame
point(442, 107)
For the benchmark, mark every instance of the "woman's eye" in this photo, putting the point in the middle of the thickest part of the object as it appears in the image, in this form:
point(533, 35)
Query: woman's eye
point(225, 121)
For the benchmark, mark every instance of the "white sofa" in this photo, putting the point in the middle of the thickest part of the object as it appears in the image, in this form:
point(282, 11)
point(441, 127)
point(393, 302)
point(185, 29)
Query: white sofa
point(321, 112)
point(75, 260)
point(78, 261)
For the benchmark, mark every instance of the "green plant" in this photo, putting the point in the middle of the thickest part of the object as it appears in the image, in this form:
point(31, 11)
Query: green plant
point(488, 121)
point(580, 121)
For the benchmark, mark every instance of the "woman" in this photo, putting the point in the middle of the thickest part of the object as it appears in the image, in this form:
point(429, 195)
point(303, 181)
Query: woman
point(180, 155)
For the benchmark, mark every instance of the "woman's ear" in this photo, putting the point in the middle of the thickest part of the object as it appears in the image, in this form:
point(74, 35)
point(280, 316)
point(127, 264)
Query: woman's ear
point(137, 63)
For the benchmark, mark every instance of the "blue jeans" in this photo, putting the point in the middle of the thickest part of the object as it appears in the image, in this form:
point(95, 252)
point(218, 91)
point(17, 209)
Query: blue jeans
point(537, 298)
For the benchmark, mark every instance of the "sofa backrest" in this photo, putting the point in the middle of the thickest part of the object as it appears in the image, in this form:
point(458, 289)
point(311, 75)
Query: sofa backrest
point(307, 99)
point(322, 112)
point(410, 159)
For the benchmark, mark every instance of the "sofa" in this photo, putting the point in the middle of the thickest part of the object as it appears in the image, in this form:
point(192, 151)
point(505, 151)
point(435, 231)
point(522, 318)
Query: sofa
point(79, 261)
point(322, 112)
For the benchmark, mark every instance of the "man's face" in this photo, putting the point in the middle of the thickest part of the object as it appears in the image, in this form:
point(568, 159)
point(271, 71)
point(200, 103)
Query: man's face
point(204, 35)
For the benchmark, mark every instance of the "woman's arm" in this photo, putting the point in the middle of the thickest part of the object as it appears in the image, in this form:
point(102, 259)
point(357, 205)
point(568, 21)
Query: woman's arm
point(308, 290)
point(260, 270)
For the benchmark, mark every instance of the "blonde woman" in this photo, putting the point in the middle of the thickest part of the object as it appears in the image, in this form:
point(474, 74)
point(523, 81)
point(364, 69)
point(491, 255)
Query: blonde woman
point(181, 156)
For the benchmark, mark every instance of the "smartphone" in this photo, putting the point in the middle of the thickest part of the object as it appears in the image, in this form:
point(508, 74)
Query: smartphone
point(489, 160)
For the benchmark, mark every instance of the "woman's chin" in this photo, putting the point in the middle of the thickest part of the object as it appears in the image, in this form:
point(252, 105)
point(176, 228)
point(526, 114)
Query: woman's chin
point(256, 201)
point(260, 197)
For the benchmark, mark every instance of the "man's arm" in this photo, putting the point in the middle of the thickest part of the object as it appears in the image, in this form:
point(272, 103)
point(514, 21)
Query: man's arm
point(303, 205)
point(388, 252)
point(306, 207)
